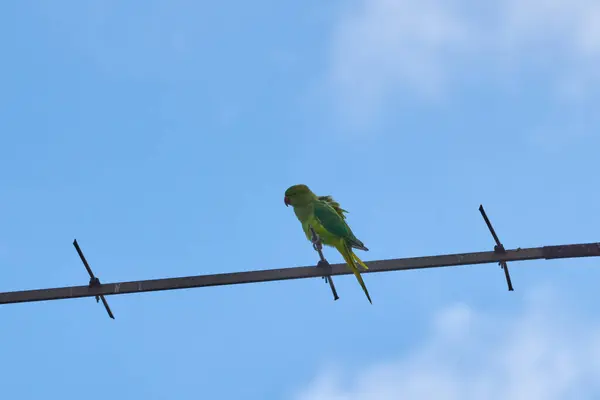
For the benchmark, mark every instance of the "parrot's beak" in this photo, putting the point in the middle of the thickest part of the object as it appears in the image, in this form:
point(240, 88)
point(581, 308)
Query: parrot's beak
point(286, 201)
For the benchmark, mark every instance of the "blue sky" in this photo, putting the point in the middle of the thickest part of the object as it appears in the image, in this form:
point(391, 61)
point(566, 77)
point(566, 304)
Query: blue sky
point(162, 137)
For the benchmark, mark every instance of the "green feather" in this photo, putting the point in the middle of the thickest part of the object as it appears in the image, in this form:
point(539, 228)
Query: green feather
point(333, 221)
point(336, 206)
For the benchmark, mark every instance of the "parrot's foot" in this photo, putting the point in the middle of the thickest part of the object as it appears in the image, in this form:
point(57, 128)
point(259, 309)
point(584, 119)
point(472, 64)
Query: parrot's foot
point(317, 245)
point(316, 240)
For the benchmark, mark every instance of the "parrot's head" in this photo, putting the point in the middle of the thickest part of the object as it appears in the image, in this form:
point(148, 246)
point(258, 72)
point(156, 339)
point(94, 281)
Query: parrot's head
point(298, 195)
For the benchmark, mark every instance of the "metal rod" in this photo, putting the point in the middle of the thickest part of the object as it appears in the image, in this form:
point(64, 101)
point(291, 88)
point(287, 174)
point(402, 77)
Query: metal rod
point(499, 248)
point(94, 281)
point(323, 263)
point(85, 263)
point(507, 276)
point(401, 264)
point(489, 225)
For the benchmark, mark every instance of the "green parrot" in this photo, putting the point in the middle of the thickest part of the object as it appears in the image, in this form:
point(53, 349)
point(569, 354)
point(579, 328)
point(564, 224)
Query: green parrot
point(327, 218)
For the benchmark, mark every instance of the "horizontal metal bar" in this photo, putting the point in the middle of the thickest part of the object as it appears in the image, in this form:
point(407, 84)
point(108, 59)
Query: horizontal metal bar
point(449, 260)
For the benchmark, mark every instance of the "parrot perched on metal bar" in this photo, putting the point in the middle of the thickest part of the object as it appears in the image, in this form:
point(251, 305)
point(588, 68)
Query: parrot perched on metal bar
point(327, 218)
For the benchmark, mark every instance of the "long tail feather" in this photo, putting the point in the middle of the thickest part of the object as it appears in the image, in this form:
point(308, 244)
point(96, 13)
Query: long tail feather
point(359, 261)
point(349, 257)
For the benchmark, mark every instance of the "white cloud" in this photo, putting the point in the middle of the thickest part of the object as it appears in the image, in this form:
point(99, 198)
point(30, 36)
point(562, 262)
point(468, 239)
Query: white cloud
point(385, 46)
point(544, 353)
point(569, 23)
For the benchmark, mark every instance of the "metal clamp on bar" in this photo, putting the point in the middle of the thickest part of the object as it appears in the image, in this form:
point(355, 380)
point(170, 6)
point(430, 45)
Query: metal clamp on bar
point(94, 281)
point(498, 248)
point(323, 263)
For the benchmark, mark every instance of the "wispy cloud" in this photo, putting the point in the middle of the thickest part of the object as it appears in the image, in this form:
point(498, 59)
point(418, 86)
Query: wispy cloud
point(382, 47)
point(387, 45)
point(544, 353)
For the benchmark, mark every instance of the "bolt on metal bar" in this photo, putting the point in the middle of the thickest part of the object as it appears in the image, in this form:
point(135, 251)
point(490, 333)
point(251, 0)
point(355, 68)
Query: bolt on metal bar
point(401, 264)
point(94, 281)
point(499, 248)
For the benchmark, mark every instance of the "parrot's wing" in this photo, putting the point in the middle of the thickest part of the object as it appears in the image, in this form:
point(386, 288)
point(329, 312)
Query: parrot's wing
point(335, 224)
point(336, 206)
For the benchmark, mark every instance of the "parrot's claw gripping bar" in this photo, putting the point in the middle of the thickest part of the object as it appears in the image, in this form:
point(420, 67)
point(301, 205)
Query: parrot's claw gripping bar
point(318, 246)
point(498, 248)
point(94, 281)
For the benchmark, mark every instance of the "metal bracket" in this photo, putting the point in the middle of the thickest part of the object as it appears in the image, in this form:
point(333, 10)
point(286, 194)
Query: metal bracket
point(498, 248)
point(94, 281)
point(323, 263)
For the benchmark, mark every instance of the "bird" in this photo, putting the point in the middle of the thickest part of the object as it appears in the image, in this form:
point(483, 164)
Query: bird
point(327, 218)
